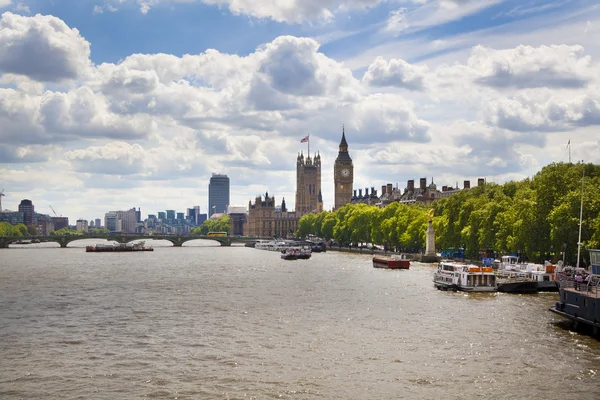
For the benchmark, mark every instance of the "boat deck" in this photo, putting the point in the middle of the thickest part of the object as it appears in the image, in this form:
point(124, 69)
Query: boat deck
point(593, 293)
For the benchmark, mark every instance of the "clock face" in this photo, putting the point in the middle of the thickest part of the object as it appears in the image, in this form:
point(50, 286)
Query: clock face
point(345, 172)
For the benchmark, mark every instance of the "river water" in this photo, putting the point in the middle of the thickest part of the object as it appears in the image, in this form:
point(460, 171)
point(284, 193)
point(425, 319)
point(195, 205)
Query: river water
point(205, 322)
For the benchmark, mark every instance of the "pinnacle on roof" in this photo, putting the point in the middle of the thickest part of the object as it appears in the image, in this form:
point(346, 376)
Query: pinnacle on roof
point(343, 142)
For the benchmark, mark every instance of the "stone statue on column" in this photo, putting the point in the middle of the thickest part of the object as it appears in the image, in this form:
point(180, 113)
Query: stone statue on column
point(430, 237)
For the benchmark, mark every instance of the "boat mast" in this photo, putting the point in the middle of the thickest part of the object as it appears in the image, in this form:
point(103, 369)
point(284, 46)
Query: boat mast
point(580, 218)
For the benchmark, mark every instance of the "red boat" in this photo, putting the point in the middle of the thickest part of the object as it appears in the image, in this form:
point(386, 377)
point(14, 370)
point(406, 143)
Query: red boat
point(391, 262)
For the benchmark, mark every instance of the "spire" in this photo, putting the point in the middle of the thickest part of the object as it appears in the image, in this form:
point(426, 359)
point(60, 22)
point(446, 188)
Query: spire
point(320, 200)
point(343, 143)
point(283, 206)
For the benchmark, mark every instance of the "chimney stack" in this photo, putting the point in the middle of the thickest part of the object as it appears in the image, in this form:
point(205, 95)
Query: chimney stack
point(467, 185)
point(410, 185)
point(366, 192)
point(480, 182)
point(373, 192)
point(382, 190)
point(354, 194)
point(360, 193)
point(423, 183)
point(389, 189)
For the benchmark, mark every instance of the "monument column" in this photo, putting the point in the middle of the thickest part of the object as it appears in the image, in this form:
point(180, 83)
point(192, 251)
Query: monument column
point(430, 238)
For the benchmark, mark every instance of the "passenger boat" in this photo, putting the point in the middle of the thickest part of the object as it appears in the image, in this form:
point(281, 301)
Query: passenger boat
point(296, 253)
point(542, 276)
point(112, 248)
point(391, 262)
point(274, 245)
point(464, 277)
point(579, 292)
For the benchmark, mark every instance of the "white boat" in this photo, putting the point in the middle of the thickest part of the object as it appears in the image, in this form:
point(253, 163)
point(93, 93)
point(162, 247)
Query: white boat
point(296, 253)
point(464, 277)
point(274, 245)
point(542, 274)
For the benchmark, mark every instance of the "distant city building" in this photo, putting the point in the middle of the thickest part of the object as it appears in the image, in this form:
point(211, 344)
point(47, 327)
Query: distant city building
point(82, 225)
point(26, 207)
point(424, 193)
point(171, 215)
point(193, 215)
point(91, 223)
point(12, 217)
point(60, 222)
point(180, 217)
point(366, 198)
point(98, 223)
point(238, 218)
point(218, 194)
point(110, 221)
point(138, 215)
point(162, 215)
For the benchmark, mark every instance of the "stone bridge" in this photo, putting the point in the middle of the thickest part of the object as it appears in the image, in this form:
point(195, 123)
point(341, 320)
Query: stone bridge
point(177, 240)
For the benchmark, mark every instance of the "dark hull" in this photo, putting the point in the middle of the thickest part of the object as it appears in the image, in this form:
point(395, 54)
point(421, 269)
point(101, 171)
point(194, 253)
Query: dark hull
point(518, 287)
point(580, 306)
point(115, 250)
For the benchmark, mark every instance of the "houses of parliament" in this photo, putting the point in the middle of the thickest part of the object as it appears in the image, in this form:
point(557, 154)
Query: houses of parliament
point(265, 219)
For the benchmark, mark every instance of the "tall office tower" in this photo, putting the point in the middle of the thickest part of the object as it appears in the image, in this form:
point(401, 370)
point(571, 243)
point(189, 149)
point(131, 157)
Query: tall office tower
point(138, 214)
point(26, 207)
point(171, 215)
point(98, 223)
point(193, 215)
point(308, 185)
point(343, 175)
point(218, 194)
point(92, 223)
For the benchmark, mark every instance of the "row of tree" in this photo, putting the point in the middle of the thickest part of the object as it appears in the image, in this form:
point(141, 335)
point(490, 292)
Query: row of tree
point(210, 225)
point(7, 229)
point(538, 217)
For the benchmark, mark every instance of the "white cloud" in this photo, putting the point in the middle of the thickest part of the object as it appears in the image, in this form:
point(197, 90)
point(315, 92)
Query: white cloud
point(5, 3)
point(43, 48)
point(291, 11)
point(526, 66)
point(545, 110)
point(395, 72)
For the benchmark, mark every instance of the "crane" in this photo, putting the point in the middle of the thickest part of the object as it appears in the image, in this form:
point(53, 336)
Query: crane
point(55, 214)
point(1, 195)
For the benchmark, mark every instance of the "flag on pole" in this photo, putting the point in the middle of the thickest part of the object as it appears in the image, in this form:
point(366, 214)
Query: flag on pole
point(304, 139)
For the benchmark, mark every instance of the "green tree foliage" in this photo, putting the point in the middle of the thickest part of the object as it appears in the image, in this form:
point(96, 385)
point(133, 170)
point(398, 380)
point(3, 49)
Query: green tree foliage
point(66, 232)
point(210, 225)
point(538, 217)
point(7, 229)
point(99, 231)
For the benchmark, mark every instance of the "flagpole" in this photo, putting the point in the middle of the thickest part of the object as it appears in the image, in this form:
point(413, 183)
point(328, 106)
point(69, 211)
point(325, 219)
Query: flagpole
point(308, 141)
point(580, 217)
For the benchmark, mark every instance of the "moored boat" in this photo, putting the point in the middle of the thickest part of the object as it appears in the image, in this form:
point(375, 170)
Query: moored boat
point(391, 262)
point(464, 277)
point(579, 292)
point(122, 247)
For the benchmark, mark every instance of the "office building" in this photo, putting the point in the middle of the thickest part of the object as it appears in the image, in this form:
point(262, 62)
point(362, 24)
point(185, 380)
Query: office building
point(218, 194)
point(82, 225)
point(98, 223)
point(26, 207)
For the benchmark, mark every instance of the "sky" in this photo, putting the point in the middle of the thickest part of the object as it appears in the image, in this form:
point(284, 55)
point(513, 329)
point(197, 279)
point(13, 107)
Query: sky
point(112, 104)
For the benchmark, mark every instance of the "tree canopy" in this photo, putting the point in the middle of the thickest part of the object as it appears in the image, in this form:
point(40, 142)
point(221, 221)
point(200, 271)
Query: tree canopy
point(538, 217)
point(211, 225)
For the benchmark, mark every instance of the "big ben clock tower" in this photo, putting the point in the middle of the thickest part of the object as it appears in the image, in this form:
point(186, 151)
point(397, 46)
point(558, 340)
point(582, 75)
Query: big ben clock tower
point(343, 175)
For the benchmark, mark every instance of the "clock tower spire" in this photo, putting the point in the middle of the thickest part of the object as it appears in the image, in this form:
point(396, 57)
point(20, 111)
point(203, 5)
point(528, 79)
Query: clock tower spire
point(343, 174)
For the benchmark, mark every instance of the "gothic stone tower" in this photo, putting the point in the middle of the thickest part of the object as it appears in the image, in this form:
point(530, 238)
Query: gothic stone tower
point(308, 184)
point(343, 175)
